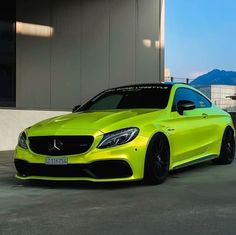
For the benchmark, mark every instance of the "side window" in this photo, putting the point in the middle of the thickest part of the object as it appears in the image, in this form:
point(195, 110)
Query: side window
point(183, 94)
point(188, 94)
point(202, 102)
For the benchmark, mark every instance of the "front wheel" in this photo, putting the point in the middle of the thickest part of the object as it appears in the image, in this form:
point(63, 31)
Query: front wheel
point(227, 151)
point(157, 160)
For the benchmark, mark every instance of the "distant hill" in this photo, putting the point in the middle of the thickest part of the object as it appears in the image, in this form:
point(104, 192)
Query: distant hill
point(216, 76)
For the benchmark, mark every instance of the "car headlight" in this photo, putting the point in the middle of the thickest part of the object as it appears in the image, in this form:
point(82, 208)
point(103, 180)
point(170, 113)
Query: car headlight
point(118, 137)
point(22, 140)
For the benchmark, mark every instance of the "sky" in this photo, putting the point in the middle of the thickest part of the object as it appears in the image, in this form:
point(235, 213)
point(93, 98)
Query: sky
point(200, 36)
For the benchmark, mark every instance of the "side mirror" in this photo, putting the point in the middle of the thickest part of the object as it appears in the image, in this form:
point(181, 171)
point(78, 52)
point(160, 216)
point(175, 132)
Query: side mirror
point(183, 105)
point(75, 108)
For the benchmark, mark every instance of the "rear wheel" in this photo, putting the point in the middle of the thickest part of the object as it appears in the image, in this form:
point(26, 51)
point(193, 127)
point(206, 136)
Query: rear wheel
point(227, 151)
point(157, 160)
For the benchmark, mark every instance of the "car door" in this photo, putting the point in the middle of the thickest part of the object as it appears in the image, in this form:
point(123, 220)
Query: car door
point(189, 133)
point(212, 127)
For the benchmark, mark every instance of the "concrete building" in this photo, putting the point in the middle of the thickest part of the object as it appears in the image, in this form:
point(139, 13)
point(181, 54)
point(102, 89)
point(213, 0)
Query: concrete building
point(92, 45)
point(68, 51)
point(221, 96)
point(167, 77)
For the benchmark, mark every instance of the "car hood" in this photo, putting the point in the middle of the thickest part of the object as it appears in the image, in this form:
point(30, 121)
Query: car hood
point(92, 121)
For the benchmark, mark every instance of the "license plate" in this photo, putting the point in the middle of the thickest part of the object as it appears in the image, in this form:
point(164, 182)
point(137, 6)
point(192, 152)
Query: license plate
point(56, 161)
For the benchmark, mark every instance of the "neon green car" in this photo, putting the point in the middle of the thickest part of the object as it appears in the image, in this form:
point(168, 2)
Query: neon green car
point(138, 132)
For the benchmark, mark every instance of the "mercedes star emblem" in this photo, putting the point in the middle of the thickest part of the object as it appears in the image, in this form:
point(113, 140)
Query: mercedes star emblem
point(55, 145)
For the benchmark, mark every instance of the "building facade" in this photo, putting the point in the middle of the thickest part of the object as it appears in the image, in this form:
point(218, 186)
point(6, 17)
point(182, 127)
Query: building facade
point(85, 46)
point(220, 95)
point(58, 54)
point(167, 77)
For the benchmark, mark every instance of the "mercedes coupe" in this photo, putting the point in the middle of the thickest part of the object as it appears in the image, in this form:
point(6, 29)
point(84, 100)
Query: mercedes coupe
point(129, 133)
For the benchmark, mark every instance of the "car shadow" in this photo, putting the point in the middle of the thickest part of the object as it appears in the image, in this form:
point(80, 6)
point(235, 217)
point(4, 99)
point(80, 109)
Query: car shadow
point(79, 184)
point(190, 169)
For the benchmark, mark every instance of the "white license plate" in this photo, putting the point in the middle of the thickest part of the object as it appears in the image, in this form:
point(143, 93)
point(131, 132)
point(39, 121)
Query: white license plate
point(56, 161)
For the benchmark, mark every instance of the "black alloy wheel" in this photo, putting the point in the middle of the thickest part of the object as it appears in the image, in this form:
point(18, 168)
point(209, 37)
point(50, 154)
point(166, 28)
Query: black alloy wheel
point(157, 160)
point(227, 152)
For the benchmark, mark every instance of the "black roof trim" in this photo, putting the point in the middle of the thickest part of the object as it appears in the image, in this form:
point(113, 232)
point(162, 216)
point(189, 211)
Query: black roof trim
point(143, 85)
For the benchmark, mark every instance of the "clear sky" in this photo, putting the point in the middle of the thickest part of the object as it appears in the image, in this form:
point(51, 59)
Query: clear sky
point(200, 36)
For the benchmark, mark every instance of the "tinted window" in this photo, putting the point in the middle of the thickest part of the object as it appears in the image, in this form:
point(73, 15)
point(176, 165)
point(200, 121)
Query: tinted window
point(183, 94)
point(201, 101)
point(188, 94)
point(153, 97)
point(108, 102)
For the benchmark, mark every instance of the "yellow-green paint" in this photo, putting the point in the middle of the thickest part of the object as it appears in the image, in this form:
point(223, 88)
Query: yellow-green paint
point(191, 137)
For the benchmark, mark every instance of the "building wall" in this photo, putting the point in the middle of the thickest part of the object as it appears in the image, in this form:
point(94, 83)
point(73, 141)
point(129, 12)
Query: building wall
point(12, 122)
point(96, 44)
point(218, 95)
point(167, 75)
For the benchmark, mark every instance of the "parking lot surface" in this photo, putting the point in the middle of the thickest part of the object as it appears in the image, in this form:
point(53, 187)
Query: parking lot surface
point(196, 200)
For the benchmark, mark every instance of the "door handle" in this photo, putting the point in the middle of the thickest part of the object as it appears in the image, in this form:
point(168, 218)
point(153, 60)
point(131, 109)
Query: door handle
point(204, 115)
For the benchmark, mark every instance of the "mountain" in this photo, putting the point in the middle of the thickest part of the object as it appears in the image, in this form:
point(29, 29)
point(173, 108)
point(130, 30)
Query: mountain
point(216, 76)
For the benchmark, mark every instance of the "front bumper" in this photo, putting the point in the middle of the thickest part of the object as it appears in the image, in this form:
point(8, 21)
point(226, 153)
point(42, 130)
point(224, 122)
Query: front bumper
point(121, 163)
point(96, 170)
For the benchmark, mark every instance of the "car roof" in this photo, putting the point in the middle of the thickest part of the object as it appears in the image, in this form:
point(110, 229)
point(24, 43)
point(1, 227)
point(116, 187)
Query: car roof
point(144, 85)
point(152, 85)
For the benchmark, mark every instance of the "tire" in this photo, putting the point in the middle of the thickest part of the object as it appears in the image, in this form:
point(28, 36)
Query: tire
point(157, 160)
point(227, 151)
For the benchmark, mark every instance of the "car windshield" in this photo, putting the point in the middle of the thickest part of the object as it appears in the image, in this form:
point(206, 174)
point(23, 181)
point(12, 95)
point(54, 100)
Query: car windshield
point(138, 97)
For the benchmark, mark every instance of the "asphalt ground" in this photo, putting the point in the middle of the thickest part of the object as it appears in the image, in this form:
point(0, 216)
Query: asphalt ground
point(194, 200)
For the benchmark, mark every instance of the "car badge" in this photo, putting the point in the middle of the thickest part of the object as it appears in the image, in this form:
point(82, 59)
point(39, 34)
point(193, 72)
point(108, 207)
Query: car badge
point(55, 145)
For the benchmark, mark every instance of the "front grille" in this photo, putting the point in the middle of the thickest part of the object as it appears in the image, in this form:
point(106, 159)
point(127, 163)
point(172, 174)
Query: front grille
point(60, 145)
point(97, 170)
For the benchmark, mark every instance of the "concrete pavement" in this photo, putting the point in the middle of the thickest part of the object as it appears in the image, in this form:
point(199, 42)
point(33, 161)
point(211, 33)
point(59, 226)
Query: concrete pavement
point(196, 200)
